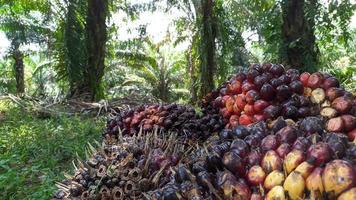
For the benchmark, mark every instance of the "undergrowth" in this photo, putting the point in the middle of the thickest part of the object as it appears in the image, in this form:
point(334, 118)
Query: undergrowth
point(34, 153)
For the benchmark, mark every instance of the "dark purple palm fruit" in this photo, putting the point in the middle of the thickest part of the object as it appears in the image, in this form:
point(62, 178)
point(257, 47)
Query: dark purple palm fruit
point(226, 134)
point(254, 157)
point(301, 143)
point(351, 154)
point(272, 111)
point(269, 143)
point(283, 92)
point(251, 74)
point(276, 69)
point(253, 141)
point(240, 132)
point(311, 125)
point(296, 87)
point(240, 147)
point(267, 92)
point(293, 74)
point(234, 163)
point(287, 134)
point(277, 124)
point(338, 143)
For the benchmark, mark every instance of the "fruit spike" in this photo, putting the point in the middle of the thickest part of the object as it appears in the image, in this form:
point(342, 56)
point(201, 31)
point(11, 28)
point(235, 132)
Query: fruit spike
point(125, 169)
point(170, 117)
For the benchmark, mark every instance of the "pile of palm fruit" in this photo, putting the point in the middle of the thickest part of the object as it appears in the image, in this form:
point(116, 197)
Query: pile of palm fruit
point(269, 133)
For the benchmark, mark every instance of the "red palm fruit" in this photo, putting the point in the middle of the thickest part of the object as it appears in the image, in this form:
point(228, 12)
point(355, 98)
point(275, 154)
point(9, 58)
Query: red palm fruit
point(314, 183)
point(283, 150)
point(253, 158)
point(245, 119)
point(352, 135)
point(335, 125)
point(252, 96)
point(240, 101)
point(349, 122)
point(225, 98)
point(235, 87)
point(305, 169)
point(287, 134)
point(333, 93)
point(267, 92)
point(225, 113)
point(248, 109)
point(331, 82)
point(247, 86)
point(315, 80)
point(342, 104)
point(233, 119)
point(271, 161)
point(294, 185)
point(292, 160)
point(258, 118)
point(304, 78)
point(256, 175)
point(274, 178)
point(338, 176)
point(229, 104)
point(260, 105)
point(237, 110)
point(349, 194)
point(269, 143)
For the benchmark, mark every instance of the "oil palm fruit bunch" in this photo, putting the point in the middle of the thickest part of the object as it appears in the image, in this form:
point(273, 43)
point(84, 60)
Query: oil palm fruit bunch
point(336, 105)
point(171, 117)
point(124, 170)
point(279, 160)
point(267, 91)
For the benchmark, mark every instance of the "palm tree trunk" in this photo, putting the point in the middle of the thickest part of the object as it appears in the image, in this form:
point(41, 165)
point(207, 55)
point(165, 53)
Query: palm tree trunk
point(19, 70)
point(96, 40)
point(192, 77)
point(299, 49)
point(208, 49)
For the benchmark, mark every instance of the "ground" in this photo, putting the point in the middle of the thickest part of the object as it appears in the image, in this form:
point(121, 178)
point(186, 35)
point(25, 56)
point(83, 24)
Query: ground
point(34, 152)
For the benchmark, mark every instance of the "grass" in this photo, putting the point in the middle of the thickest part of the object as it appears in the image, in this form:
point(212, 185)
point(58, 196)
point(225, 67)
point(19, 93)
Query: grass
point(35, 152)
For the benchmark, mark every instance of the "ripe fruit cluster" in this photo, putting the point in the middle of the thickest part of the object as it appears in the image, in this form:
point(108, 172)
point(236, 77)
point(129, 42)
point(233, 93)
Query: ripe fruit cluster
point(287, 136)
point(336, 104)
point(124, 170)
point(268, 91)
point(171, 117)
point(287, 163)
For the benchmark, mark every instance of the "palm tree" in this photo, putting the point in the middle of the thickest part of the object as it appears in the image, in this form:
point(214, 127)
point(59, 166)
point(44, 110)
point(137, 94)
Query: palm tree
point(21, 27)
point(156, 66)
